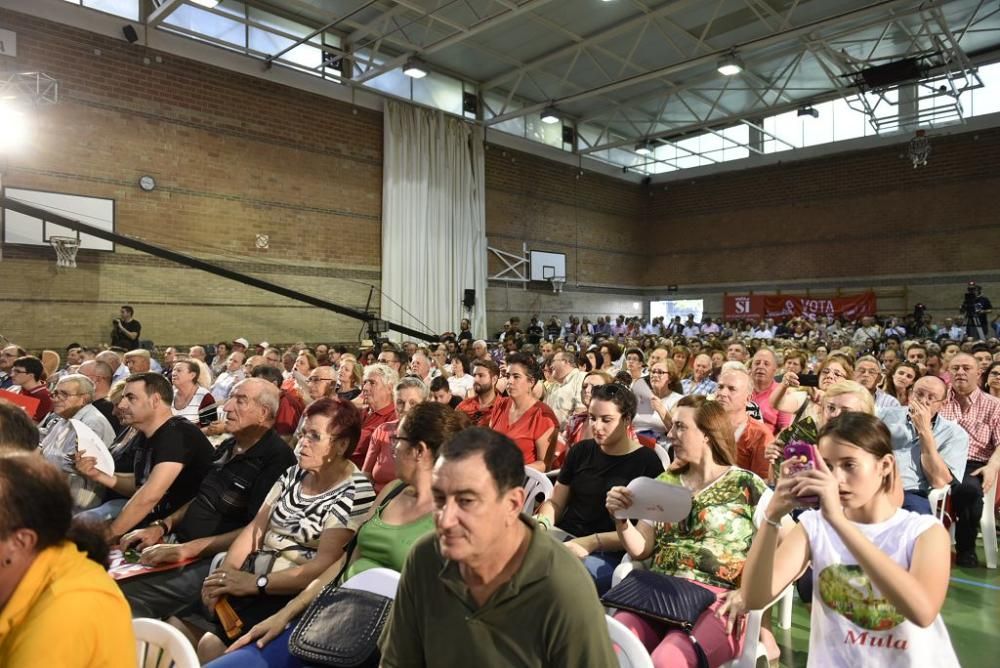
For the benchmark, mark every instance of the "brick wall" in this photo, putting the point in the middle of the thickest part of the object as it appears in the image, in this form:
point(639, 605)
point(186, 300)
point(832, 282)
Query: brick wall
point(233, 156)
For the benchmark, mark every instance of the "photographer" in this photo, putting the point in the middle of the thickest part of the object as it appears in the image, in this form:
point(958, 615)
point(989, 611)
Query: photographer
point(976, 308)
point(125, 330)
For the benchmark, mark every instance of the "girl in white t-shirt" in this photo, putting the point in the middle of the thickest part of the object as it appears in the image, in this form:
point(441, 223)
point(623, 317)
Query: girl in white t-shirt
point(880, 572)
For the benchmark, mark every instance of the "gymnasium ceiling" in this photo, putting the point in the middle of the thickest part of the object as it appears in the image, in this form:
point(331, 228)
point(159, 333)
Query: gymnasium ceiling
point(633, 71)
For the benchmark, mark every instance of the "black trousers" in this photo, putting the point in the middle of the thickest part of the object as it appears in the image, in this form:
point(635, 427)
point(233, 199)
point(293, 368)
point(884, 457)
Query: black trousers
point(167, 593)
point(967, 505)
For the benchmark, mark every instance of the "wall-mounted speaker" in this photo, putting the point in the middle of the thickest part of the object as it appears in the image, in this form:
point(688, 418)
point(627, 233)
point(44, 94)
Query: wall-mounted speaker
point(469, 298)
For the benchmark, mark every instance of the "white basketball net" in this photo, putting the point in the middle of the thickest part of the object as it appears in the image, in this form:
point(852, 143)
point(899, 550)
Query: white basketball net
point(920, 149)
point(66, 248)
point(557, 283)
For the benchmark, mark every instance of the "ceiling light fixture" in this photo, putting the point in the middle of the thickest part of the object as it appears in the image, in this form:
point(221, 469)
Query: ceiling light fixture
point(208, 4)
point(550, 116)
point(809, 110)
point(415, 69)
point(644, 148)
point(730, 65)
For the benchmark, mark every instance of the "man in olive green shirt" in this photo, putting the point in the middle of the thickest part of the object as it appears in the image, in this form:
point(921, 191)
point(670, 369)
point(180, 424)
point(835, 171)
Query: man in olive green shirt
point(488, 588)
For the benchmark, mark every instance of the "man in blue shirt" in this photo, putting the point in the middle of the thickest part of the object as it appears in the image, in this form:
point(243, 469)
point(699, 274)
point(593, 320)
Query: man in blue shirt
point(930, 450)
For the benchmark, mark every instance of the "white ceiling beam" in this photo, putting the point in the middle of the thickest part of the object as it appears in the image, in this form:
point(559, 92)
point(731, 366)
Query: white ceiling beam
point(157, 16)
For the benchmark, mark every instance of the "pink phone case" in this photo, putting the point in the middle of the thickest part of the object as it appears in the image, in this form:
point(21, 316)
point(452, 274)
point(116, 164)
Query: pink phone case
point(801, 457)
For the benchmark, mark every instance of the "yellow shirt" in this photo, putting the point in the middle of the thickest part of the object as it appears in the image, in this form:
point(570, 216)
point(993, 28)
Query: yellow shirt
point(66, 612)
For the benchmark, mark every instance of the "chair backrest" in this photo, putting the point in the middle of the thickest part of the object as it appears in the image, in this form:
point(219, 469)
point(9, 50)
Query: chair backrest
point(382, 581)
point(537, 488)
point(664, 456)
point(159, 645)
point(631, 653)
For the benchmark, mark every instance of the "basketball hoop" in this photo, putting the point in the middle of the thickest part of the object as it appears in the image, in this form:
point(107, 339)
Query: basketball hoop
point(557, 284)
point(66, 248)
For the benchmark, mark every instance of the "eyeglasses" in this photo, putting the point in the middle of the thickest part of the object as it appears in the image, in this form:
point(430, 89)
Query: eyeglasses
point(60, 394)
point(316, 379)
point(658, 372)
point(13, 371)
point(866, 372)
point(396, 439)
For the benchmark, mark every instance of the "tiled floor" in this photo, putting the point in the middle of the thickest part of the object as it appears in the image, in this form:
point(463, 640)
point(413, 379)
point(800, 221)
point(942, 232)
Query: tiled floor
point(971, 613)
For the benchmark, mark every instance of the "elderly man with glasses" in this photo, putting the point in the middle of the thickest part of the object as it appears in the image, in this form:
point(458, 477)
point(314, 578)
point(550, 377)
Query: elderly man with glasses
point(73, 400)
point(7, 357)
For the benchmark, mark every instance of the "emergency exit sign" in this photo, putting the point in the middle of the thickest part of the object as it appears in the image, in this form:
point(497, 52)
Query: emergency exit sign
point(8, 43)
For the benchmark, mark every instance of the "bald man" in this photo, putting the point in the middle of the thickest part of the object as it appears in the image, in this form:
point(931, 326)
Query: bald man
point(930, 449)
point(978, 414)
point(752, 436)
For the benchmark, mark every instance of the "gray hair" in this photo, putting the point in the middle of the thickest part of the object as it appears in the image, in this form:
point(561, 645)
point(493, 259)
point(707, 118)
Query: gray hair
point(84, 385)
point(410, 382)
point(268, 395)
point(387, 373)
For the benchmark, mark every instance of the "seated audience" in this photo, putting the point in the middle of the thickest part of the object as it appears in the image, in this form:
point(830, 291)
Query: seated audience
point(8, 354)
point(380, 407)
point(858, 541)
point(28, 374)
point(100, 375)
point(320, 383)
point(991, 380)
point(979, 415)
point(349, 377)
point(524, 419)
point(71, 400)
point(763, 368)
point(231, 374)
point(930, 450)
point(380, 463)
point(479, 407)
point(807, 402)
point(900, 380)
point(290, 406)
point(752, 436)
point(245, 468)
point(441, 392)
point(400, 516)
point(663, 385)
point(483, 547)
point(578, 425)
point(192, 400)
point(170, 465)
point(563, 393)
point(611, 458)
point(710, 548)
point(302, 527)
point(58, 606)
point(868, 372)
point(700, 381)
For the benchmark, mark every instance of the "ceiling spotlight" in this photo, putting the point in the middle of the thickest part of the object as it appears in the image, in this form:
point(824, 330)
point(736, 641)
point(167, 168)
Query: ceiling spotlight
point(550, 116)
point(210, 4)
point(809, 111)
point(730, 65)
point(415, 69)
point(644, 148)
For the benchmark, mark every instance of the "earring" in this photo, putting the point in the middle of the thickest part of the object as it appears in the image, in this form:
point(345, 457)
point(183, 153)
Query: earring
point(7, 562)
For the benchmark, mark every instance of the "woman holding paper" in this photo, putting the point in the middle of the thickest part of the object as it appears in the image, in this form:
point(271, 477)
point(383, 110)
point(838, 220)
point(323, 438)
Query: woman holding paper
point(657, 394)
point(592, 467)
point(709, 547)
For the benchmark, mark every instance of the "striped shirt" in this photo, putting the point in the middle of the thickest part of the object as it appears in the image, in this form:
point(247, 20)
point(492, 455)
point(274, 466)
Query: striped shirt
point(298, 519)
point(705, 387)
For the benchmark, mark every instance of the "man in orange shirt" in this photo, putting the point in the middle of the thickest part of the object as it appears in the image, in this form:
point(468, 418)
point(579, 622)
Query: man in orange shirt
point(751, 436)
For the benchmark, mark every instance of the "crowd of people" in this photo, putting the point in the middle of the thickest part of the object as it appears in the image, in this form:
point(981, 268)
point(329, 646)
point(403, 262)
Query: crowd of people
point(250, 477)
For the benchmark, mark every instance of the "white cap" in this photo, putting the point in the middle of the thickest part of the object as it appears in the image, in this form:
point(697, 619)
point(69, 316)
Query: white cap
point(243, 342)
point(263, 344)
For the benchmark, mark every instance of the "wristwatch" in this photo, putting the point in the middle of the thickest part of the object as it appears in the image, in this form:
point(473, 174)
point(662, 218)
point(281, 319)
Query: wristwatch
point(262, 584)
point(161, 524)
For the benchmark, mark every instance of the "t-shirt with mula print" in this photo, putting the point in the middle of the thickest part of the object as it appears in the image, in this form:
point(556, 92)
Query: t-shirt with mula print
point(851, 623)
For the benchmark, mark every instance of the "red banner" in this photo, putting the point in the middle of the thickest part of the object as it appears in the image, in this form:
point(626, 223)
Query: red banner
point(782, 307)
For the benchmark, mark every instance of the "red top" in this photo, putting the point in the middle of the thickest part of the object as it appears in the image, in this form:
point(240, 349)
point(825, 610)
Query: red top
point(379, 463)
point(45, 401)
point(774, 419)
point(529, 427)
point(480, 416)
point(750, 448)
point(290, 408)
point(372, 420)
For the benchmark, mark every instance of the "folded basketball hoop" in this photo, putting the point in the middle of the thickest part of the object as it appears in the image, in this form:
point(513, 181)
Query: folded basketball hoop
point(557, 283)
point(66, 248)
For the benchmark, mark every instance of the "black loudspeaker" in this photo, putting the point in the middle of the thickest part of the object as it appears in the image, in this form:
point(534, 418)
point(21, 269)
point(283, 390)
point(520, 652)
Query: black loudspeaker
point(569, 135)
point(470, 103)
point(130, 34)
point(469, 299)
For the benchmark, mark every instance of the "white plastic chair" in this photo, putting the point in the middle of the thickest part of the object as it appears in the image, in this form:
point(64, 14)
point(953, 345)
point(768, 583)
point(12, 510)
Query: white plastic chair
point(988, 525)
point(664, 456)
point(537, 489)
point(631, 653)
point(159, 645)
point(382, 581)
point(938, 498)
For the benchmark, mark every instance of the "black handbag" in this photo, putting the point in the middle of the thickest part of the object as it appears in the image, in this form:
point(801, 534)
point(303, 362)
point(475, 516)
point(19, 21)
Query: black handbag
point(665, 598)
point(341, 628)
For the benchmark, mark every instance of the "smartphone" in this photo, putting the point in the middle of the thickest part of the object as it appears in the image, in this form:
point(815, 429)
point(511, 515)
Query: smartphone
point(808, 380)
point(801, 456)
